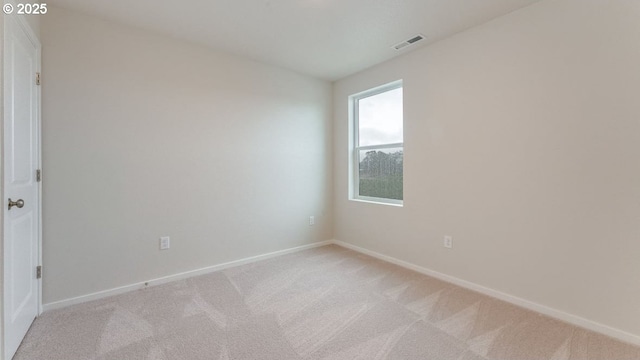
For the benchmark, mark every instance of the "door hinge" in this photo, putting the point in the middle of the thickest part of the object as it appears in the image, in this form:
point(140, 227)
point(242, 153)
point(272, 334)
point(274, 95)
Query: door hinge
point(39, 272)
point(38, 175)
point(37, 78)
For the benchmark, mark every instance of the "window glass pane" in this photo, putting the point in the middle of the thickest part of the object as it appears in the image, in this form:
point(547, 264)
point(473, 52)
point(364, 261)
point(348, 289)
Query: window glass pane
point(381, 173)
point(380, 118)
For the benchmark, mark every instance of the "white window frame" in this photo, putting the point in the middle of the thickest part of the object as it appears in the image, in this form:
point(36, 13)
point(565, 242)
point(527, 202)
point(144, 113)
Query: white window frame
point(354, 181)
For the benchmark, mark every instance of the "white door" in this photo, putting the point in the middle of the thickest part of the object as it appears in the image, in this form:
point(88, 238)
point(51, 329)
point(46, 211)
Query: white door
point(21, 162)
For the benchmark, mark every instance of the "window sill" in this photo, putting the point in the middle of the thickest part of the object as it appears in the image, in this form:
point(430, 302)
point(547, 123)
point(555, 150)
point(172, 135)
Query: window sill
point(378, 202)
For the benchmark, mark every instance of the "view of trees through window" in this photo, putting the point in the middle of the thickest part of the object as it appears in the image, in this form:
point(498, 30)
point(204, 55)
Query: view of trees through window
point(379, 146)
point(381, 173)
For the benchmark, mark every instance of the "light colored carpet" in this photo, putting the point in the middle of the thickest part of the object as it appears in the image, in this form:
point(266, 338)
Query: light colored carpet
point(327, 303)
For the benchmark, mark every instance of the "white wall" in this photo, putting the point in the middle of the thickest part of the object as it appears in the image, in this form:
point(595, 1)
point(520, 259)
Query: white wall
point(146, 136)
point(522, 141)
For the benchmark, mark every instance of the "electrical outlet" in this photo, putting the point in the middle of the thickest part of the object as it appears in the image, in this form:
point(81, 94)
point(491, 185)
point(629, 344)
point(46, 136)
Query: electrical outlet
point(448, 242)
point(312, 220)
point(165, 243)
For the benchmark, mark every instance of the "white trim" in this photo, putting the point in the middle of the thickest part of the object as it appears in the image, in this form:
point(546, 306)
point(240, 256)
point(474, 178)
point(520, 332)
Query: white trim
point(385, 146)
point(39, 160)
point(372, 200)
point(179, 276)
point(355, 148)
point(396, 84)
point(542, 309)
point(548, 311)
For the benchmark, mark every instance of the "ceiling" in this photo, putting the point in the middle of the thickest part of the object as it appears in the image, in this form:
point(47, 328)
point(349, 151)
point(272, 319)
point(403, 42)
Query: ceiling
point(327, 39)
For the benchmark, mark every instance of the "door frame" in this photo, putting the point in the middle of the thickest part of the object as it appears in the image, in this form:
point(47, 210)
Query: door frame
point(20, 24)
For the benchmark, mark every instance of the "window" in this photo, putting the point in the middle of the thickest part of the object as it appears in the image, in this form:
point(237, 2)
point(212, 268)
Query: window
point(378, 148)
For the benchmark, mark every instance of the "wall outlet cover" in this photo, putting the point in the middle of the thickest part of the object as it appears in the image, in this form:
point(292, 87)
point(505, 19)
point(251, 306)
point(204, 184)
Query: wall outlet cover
point(448, 242)
point(165, 243)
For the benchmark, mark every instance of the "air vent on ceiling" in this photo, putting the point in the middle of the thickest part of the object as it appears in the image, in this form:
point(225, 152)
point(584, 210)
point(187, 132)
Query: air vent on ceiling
point(409, 42)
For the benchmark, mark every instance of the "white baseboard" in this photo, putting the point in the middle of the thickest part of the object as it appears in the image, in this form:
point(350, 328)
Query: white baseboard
point(175, 277)
point(557, 314)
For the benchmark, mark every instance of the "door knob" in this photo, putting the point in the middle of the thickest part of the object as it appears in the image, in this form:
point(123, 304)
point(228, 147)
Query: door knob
point(18, 203)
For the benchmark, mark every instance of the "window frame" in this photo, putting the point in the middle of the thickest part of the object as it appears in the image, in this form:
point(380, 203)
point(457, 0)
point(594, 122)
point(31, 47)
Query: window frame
point(354, 149)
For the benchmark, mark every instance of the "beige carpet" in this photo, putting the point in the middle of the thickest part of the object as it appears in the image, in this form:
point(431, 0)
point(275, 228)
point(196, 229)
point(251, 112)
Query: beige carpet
point(325, 303)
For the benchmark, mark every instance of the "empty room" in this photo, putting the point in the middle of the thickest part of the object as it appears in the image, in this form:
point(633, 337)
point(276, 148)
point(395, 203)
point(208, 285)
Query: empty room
point(320, 179)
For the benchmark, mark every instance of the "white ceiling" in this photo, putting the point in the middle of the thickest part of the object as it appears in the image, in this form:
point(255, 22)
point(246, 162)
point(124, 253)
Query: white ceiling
point(328, 39)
